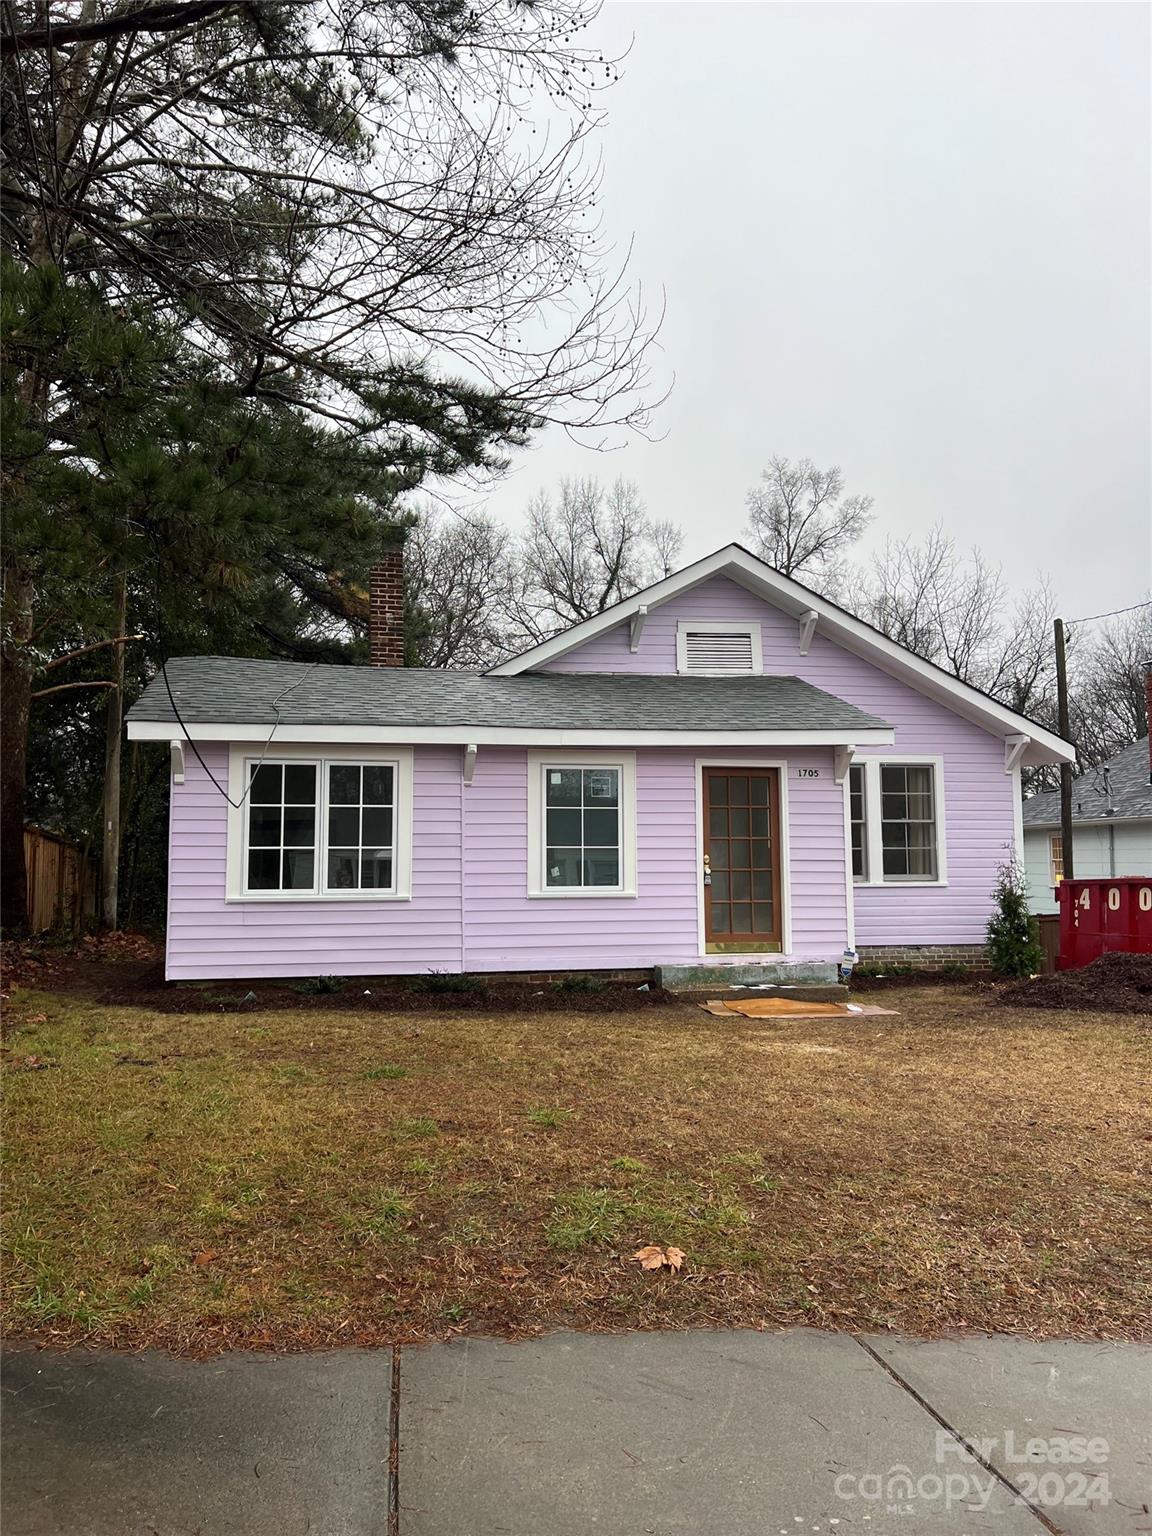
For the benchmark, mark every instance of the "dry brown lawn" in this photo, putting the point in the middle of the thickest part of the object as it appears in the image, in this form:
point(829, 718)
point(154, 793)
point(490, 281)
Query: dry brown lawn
point(305, 1178)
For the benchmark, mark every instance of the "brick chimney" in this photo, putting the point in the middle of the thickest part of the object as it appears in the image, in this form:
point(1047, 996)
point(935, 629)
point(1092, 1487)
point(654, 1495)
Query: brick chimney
point(386, 610)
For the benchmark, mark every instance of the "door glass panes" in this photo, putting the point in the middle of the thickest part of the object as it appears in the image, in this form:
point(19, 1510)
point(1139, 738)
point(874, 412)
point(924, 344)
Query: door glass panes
point(282, 827)
point(582, 827)
point(908, 821)
point(361, 824)
point(741, 895)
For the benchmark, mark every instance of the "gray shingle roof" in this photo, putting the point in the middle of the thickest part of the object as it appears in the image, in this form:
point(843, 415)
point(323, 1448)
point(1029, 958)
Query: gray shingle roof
point(224, 688)
point(1131, 792)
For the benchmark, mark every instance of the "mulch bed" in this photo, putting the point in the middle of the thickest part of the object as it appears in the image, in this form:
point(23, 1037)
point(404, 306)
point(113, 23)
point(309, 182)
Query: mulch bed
point(866, 981)
point(431, 995)
point(128, 970)
point(1115, 983)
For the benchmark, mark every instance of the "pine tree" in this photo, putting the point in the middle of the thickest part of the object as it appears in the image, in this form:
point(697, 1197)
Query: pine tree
point(235, 523)
point(1013, 945)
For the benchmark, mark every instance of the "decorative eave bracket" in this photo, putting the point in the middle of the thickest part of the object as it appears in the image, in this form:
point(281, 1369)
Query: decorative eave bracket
point(807, 630)
point(636, 628)
point(176, 751)
point(469, 763)
point(841, 762)
point(1014, 749)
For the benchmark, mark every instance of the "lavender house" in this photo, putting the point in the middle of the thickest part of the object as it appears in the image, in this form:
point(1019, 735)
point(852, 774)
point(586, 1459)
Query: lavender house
point(725, 768)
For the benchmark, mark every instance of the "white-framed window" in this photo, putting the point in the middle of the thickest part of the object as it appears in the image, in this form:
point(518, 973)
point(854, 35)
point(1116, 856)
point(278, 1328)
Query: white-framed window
point(1056, 854)
point(896, 817)
point(581, 824)
point(330, 826)
point(718, 649)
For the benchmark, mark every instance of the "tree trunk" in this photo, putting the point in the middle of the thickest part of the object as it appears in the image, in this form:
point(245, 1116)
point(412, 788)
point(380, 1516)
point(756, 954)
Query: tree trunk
point(16, 678)
point(110, 864)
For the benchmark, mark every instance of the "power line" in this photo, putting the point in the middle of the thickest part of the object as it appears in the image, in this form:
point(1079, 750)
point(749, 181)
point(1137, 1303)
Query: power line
point(1112, 612)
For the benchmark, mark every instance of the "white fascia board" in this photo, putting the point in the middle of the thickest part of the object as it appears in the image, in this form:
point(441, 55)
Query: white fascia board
point(496, 736)
point(835, 623)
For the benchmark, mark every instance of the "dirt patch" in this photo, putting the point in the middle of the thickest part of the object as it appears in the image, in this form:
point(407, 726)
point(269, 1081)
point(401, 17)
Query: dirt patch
point(866, 979)
point(1117, 983)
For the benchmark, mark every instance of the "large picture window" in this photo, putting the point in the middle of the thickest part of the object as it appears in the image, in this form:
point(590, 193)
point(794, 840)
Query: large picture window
point(324, 828)
point(896, 821)
point(581, 816)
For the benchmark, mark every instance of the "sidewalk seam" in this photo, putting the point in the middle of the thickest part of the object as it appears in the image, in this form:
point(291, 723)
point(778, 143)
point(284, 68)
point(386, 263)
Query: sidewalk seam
point(394, 1445)
point(1044, 1519)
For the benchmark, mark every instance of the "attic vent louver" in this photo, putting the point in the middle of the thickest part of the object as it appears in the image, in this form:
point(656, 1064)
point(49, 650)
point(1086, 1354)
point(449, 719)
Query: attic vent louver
point(720, 649)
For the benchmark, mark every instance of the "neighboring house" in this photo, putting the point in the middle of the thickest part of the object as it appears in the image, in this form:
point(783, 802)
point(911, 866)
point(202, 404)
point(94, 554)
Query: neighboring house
point(1111, 826)
point(725, 766)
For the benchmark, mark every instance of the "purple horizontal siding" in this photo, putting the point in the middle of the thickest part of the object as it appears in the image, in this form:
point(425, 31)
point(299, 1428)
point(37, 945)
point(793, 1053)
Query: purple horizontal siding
point(210, 937)
point(503, 928)
point(978, 794)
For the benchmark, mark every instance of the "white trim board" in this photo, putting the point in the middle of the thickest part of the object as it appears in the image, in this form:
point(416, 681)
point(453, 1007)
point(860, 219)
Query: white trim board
point(835, 623)
point(494, 736)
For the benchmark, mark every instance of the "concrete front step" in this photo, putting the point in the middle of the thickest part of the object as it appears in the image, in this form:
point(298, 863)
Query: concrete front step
point(810, 980)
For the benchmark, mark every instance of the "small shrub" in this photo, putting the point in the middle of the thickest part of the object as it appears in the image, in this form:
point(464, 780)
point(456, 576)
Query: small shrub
point(440, 982)
point(581, 984)
point(317, 986)
point(1013, 944)
point(549, 1117)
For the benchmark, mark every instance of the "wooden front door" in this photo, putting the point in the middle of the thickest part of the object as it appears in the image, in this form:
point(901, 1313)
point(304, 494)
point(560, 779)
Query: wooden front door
point(742, 894)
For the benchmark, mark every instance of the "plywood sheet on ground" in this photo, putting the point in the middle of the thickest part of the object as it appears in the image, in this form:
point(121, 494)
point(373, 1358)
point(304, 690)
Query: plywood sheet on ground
point(789, 1008)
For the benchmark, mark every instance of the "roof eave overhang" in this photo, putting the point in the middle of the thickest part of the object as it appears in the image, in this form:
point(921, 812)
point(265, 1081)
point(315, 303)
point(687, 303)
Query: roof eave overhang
point(499, 736)
point(1044, 747)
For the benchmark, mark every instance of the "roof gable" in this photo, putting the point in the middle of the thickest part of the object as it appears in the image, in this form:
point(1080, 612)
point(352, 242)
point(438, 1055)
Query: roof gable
point(810, 611)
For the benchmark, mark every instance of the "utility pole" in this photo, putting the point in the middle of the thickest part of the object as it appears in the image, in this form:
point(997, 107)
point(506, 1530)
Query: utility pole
point(1065, 768)
point(110, 864)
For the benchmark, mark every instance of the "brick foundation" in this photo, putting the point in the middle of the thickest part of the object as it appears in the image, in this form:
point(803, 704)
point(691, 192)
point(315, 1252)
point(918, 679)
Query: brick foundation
point(925, 957)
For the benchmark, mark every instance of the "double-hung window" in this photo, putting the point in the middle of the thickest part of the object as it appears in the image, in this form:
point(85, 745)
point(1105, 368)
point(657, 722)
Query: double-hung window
point(896, 821)
point(581, 817)
point(333, 826)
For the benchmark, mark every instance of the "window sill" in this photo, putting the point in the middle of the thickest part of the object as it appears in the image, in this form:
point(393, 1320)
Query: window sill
point(276, 898)
point(582, 894)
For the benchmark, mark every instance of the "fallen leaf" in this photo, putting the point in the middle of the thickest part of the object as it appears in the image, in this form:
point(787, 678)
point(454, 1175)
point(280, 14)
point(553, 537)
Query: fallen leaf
point(513, 1271)
point(205, 1257)
point(652, 1256)
point(674, 1258)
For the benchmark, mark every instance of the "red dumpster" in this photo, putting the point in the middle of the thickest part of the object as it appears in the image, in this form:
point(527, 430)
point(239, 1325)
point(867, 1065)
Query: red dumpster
point(1098, 916)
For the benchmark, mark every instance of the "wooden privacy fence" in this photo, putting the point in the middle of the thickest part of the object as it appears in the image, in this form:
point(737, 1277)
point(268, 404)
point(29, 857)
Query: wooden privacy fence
point(62, 884)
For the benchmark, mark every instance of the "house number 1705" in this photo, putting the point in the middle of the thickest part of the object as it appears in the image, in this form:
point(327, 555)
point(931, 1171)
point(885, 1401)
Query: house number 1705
point(807, 773)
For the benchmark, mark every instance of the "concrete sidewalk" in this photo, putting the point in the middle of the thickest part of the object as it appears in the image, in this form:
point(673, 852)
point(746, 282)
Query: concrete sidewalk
point(714, 1434)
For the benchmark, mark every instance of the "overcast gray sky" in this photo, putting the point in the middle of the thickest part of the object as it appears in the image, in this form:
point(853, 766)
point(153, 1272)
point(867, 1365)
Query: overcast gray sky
point(911, 239)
